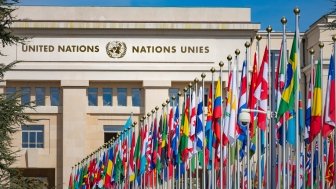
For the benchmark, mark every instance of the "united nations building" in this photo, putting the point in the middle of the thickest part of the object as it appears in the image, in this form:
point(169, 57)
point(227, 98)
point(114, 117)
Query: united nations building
point(89, 68)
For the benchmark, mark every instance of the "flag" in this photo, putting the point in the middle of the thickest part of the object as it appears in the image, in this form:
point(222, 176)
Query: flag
point(329, 106)
point(252, 102)
point(288, 95)
point(192, 137)
point(261, 91)
point(227, 113)
point(199, 122)
point(109, 169)
point(131, 172)
point(143, 161)
point(233, 100)
point(308, 113)
point(70, 186)
point(316, 118)
point(330, 171)
point(185, 133)
point(217, 111)
point(308, 164)
point(243, 105)
point(149, 148)
point(176, 135)
point(208, 131)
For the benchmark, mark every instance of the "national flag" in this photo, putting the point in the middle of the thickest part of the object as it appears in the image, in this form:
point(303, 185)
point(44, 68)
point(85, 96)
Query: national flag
point(185, 133)
point(316, 161)
point(155, 141)
point(227, 112)
point(192, 137)
point(71, 186)
point(149, 149)
point(217, 111)
point(252, 102)
point(316, 118)
point(233, 100)
point(308, 112)
point(243, 105)
point(301, 168)
point(199, 122)
point(137, 155)
point(288, 95)
point(329, 106)
point(176, 135)
point(209, 131)
point(330, 171)
point(109, 168)
point(143, 161)
point(131, 170)
point(261, 92)
point(308, 164)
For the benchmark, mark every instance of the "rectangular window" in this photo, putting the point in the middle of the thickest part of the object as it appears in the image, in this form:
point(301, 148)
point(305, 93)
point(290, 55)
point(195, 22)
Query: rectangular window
point(93, 96)
point(173, 92)
point(10, 91)
point(136, 97)
point(54, 96)
point(206, 96)
point(122, 96)
point(107, 96)
point(32, 136)
point(40, 96)
point(111, 131)
point(25, 95)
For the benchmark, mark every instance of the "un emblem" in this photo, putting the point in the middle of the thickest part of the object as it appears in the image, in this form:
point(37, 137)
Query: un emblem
point(116, 49)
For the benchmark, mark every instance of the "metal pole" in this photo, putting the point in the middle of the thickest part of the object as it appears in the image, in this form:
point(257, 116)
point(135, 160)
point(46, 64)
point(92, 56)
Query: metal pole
point(258, 130)
point(237, 52)
point(168, 104)
point(311, 51)
point(334, 52)
point(321, 45)
point(203, 126)
point(273, 155)
point(211, 180)
point(229, 181)
point(190, 173)
point(178, 161)
point(247, 55)
point(173, 112)
point(185, 165)
point(195, 142)
point(221, 64)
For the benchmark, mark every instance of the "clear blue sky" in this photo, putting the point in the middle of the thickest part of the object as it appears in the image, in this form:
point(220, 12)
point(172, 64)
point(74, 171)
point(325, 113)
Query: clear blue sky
point(266, 12)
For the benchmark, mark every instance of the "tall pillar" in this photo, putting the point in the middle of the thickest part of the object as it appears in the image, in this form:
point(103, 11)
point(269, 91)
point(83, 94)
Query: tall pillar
point(155, 93)
point(74, 124)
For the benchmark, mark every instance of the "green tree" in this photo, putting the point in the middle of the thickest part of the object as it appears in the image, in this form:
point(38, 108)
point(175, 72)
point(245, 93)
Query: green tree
point(11, 110)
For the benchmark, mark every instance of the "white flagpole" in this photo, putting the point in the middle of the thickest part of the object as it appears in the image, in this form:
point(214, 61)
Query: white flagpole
point(173, 112)
point(247, 55)
point(296, 12)
point(321, 45)
point(258, 37)
point(203, 127)
point(185, 165)
point(237, 52)
point(190, 163)
point(179, 178)
point(167, 158)
point(211, 173)
point(334, 52)
point(229, 181)
point(311, 51)
point(221, 64)
point(195, 142)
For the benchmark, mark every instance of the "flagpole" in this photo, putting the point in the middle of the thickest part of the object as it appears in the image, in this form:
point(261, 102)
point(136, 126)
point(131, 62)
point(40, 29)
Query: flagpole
point(143, 175)
point(229, 58)
point(311, 51)
point(195, 139)
point(203, 127)
point(173, 112)
point(211, 175)
point(190, 125)
point(185, 165)
point(247, 56)
point(237, 52)
point(167, 138)
point(221, 64)
point(179, 94)
point(334, 40)
point(321, 45)
point(258, 37)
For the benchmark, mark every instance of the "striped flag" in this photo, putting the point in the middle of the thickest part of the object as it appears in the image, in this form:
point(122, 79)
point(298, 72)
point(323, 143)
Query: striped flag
point(192, 137)
point(329, 108)
point(261, 92)
point(233, 100)
point(308, 165)
point(143, 161)
point(185, 133)
point(252, 102)
point(316, 118)
point(308, 112)
point(176, 135)
point(209, 131)
point(330, 171)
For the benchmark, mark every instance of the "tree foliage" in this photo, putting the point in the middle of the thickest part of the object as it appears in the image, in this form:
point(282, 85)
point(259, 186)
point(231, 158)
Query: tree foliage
point(12, 114)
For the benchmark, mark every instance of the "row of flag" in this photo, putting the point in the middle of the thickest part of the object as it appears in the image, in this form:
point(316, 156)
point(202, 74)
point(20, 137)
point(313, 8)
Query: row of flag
point(208, 145)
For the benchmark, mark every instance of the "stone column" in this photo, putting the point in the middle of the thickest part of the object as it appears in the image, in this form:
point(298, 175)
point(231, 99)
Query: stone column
point(74, 124)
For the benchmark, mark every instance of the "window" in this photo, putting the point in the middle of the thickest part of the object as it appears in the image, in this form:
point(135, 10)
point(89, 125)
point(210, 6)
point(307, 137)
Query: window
point(25, 95)
point(122, 96)
point(55, 96)
point(107, 96)
point(40, 96)
point(93, 96)
point(111, 131)
point(173, 92)
point(32, 136)
point(206, 96)
point(10, 91)
point(136, 97)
